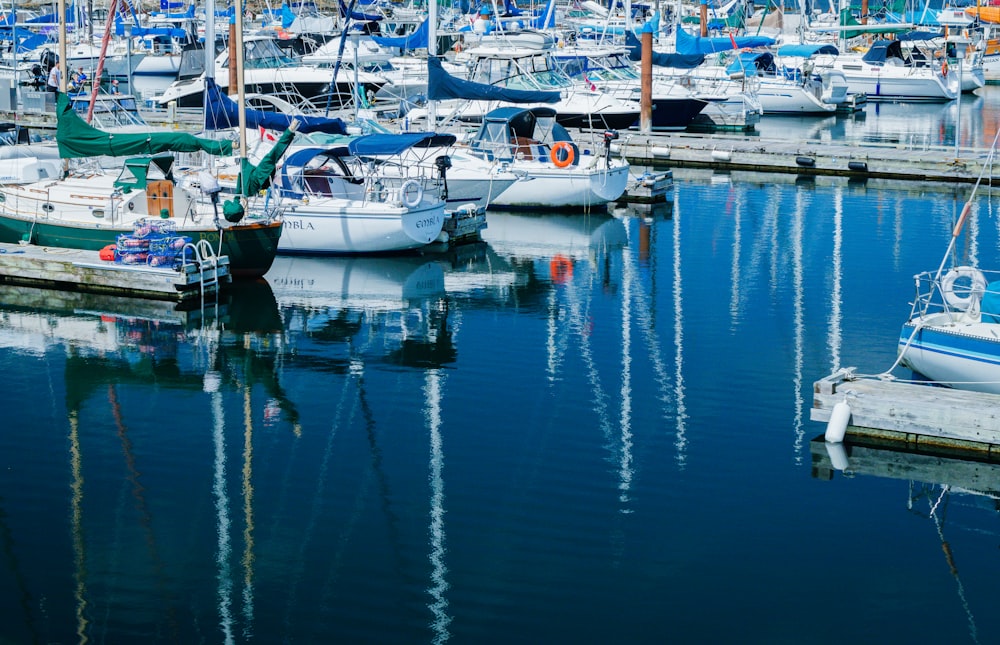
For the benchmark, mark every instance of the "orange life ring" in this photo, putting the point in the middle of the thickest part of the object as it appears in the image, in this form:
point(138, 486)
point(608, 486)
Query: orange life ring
point(944, 68)
point(560, 268)
point(562, 154)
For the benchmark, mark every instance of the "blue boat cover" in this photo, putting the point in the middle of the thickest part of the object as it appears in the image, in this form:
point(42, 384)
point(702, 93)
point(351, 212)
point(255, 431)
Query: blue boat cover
point(805, 51)
point(920, 35)
point(441, 85)
point(660, 59)
point(357, 15)
point(688, 44)
point(221, 112)
point(881, 50)
point(366, 145)
point(415, 40)
point(750, 62)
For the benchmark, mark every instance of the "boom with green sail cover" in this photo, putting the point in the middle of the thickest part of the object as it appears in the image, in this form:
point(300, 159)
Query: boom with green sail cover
point(76, 138)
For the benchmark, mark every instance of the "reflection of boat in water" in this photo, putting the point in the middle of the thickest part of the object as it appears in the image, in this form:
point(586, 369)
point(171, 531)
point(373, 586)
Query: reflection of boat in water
point(355, 282)
point(940, 487)
point(394, 302)
point(543, 236)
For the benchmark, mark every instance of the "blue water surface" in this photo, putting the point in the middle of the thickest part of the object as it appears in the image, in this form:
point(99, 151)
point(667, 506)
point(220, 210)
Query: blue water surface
point(588, 429)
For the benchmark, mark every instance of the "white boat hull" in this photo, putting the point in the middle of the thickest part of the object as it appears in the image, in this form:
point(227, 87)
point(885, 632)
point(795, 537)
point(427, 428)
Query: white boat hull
point(336, 226)
point(548, 187)
point(953, 351)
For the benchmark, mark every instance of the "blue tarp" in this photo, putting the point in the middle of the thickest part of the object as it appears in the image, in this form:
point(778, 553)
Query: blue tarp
point(805, 51)
point(142, 32)
point(221, 112)
point(688, 44)
point(441, 86)
point(415, 40)
point(358, 15)
point(679, 61)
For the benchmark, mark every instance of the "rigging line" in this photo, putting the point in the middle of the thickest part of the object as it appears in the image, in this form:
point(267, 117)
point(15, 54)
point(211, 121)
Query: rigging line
point(577, 317)
point(317, 501)
point(956, 231)
point(25, 600)
point(950, 559)
point(142, 507)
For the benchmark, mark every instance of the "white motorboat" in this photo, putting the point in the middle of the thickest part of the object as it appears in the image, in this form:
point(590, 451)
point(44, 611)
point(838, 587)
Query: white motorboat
point(890, 72)
point(789, 83)
point(268, 70)
point(531, 69)
point(558, 173)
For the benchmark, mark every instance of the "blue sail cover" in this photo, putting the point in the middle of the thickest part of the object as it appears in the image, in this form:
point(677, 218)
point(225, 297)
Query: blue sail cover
point(688, 44)
point(221, 112)
point(415, 40)
point(805, 51)
point(442, 86)
point(358, 15)
point(660, 59)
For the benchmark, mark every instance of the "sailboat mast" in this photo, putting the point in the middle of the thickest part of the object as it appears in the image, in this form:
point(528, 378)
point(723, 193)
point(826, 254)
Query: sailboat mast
point(61, 20)
point(431, 52)
point(240, 89)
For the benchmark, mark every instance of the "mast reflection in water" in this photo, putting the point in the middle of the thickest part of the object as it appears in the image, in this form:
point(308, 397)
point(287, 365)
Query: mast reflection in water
point(588, 428)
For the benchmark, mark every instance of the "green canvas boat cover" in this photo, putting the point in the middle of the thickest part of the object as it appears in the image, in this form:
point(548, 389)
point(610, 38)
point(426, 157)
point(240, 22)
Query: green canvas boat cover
point(77, 138)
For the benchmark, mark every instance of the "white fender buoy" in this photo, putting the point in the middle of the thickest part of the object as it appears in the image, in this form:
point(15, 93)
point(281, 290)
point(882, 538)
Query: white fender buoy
point(838, 456)
point(836, 427)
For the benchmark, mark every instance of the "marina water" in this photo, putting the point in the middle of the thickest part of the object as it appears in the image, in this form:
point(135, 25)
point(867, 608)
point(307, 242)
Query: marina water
point(590, 428)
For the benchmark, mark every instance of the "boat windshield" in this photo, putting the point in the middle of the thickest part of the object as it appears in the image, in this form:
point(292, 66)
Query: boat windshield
point(524, 73)
point(263, 54)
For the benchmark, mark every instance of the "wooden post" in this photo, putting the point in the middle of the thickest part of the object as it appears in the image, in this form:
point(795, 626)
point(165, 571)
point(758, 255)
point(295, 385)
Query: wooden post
point(703, 16)
point(233, 71)
point(864, 12)
point(646, 93)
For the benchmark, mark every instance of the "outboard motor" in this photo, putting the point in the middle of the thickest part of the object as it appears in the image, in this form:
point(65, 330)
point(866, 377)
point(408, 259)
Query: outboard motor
point(443, 163)
point(609, 136)
point(48, 59)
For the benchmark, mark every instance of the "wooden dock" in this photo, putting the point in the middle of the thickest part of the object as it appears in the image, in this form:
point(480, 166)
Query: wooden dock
point(871, 160)
point(912, 414)
point(76, 270)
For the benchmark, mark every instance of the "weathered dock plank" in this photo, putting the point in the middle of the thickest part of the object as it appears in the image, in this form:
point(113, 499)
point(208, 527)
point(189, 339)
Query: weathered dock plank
point(73, 269)
point(911, 413)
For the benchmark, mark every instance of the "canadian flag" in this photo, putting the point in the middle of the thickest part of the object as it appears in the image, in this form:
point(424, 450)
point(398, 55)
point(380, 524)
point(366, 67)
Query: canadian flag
point(265, 135)
point(590, 84)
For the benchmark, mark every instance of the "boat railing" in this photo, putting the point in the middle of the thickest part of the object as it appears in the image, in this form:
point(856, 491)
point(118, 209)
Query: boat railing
point(960, 289)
